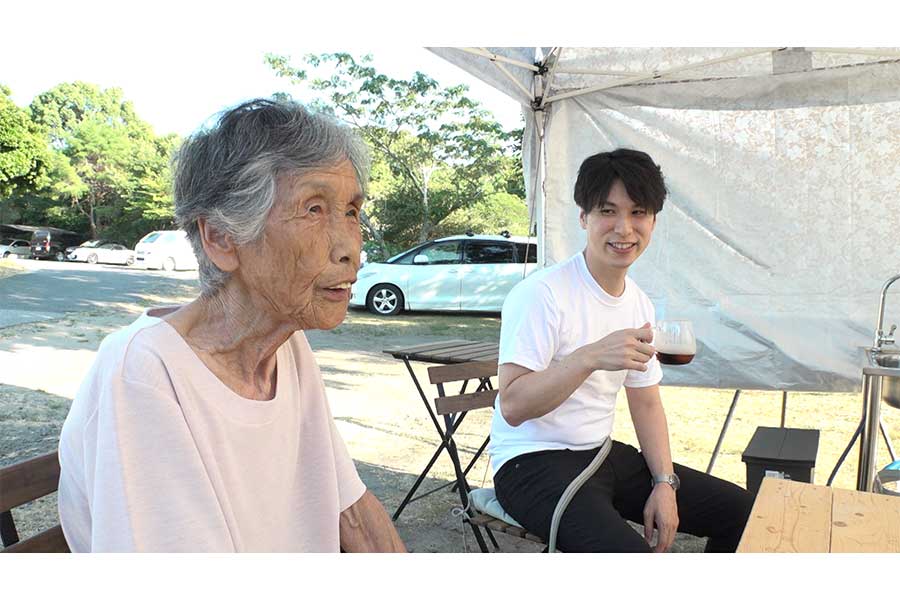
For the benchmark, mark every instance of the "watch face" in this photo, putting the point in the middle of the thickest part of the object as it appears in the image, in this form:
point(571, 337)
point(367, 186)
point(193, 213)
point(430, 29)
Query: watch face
point(672, 479)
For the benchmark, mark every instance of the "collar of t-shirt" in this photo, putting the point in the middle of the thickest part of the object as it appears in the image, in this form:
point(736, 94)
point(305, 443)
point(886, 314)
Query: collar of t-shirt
point(595, 287)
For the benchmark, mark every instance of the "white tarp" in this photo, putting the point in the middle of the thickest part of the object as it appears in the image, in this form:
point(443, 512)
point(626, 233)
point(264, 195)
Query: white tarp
point(783, 215)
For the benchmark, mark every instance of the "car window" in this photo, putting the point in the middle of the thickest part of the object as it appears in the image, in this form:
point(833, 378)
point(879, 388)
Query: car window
point(489, 253)
point(171, 236)
point(443, 253)
point(526, 251)
point(150, 237)
point(19, 243)
point(117, 247)
point(405, 257)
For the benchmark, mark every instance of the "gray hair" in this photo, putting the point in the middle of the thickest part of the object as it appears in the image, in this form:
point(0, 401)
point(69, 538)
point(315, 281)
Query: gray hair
point(227, 173)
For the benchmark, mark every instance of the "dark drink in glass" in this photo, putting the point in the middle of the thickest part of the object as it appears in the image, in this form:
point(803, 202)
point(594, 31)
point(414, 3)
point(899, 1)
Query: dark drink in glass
point(675, 342)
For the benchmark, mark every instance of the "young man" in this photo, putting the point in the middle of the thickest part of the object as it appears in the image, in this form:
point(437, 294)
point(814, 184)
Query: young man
point(572, 336)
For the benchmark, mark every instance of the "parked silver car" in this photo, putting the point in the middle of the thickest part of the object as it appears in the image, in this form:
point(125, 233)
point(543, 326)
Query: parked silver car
point(100, 251)
point(10, 247)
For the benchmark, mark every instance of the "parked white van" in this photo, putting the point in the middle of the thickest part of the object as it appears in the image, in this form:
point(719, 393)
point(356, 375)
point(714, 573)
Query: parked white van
point(167, 250)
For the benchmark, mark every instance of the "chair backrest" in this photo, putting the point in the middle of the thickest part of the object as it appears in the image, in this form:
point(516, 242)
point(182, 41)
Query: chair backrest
point(21, 483)
point(481, 370)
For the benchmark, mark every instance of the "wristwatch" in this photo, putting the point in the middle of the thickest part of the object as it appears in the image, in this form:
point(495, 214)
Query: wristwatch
point(671, 478)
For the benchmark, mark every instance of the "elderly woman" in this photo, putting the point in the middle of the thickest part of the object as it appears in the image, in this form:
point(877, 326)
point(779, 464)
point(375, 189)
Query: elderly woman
point(205, 427)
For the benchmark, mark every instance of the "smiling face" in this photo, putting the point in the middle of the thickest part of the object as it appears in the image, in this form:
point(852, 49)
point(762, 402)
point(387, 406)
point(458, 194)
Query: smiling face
point(301, 270)
point(618, 232)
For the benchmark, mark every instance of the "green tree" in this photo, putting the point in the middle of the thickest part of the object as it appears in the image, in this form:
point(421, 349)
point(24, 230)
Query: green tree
point(498, 212)
point(23, 148)
point(435, 150)
point(117, 172)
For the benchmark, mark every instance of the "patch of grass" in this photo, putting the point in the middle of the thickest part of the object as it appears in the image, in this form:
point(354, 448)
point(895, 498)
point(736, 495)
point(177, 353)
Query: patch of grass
point(8, 268)
point(475, 327)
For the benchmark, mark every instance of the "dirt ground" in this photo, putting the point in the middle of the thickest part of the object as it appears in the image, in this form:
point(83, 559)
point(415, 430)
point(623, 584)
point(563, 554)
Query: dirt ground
point(381, 417)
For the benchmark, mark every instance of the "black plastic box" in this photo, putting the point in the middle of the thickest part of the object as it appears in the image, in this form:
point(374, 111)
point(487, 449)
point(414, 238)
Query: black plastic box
point(787, 453)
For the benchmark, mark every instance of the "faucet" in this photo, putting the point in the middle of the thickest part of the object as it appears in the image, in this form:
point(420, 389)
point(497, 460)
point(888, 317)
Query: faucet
point(880, 338)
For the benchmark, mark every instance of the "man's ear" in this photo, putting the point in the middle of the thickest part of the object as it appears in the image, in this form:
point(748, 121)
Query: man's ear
point(582, 218)
point(218, 246)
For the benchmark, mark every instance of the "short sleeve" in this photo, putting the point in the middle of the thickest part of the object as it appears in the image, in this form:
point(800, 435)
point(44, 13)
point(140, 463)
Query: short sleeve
point(146, 485)
point(529, 329)
point(350, 487)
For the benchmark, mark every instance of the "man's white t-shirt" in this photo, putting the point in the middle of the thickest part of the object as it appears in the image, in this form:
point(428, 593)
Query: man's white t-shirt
point(545, 318)
point(157, 454)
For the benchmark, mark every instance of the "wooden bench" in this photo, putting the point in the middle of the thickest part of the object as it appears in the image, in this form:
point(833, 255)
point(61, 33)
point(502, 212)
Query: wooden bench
point(460, 404)
point(21, 483)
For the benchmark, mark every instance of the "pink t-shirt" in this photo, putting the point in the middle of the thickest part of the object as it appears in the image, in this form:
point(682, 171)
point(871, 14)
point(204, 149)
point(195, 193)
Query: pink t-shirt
point(157, 454)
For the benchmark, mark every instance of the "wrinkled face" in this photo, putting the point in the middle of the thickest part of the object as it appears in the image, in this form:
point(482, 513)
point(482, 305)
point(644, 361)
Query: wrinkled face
point(618, 232)
point(303, 266)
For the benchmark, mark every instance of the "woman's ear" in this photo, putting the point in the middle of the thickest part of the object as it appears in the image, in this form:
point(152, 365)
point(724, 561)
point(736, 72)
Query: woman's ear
point(218, 246)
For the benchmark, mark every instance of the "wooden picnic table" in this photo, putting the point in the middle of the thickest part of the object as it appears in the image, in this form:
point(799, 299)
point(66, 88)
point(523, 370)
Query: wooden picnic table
point(790, 516)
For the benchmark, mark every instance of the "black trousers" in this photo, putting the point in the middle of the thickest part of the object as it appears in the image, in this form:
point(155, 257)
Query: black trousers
point(530, 485)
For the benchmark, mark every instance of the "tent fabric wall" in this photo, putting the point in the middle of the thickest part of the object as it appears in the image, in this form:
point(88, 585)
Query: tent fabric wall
point(783, 215)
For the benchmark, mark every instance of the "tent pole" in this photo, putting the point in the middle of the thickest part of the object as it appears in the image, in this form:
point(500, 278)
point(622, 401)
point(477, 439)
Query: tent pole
point(516, 82)
point(497, 58)
point(863, 51)
point(554, 57)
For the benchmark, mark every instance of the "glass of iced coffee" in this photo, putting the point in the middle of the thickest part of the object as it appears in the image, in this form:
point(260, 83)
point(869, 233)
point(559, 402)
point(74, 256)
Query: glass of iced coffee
point(674, 342)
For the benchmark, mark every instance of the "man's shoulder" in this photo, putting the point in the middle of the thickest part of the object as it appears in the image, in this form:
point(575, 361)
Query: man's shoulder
point(553, 277)
point(546, 290)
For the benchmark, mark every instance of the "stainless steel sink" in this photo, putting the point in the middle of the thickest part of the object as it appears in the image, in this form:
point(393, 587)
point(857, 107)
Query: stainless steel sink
point(891, 361)
point(886, 367)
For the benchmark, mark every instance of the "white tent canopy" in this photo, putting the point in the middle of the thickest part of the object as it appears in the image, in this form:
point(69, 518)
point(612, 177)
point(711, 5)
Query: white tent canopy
point(783, 169)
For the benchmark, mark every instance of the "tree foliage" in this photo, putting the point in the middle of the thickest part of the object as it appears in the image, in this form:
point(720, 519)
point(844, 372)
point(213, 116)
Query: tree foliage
point(103, 170)
point(23, 150)
point(435, 151)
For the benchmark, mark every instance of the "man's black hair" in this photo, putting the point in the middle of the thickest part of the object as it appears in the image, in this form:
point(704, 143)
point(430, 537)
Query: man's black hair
point(642, 178)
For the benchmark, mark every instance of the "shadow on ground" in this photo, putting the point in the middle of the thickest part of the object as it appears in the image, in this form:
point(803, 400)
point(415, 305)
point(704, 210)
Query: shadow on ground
point(431, 523)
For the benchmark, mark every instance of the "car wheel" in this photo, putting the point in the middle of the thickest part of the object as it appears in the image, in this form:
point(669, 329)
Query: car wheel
point(385, 299)
point(92, 258)
point(60, 256)
point(168, 264)
point(6, 255)
point(130, 261)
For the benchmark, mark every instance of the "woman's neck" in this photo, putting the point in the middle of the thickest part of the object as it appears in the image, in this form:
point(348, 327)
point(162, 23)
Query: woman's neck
point(235, 337)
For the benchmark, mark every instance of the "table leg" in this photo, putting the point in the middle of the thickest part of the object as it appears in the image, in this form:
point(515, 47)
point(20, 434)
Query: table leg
point(783, 408)
point(844, 454)
point(422, 394)
point(887, 440)
point(712, 459)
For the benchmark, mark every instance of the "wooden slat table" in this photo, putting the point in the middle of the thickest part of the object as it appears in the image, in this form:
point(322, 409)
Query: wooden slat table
point(790, 516)
point(446, 352)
